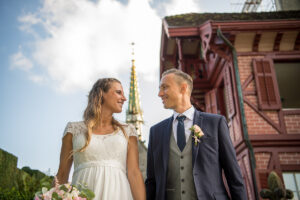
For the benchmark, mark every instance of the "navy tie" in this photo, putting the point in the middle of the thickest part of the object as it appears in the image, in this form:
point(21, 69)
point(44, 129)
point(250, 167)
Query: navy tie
point(180, 132)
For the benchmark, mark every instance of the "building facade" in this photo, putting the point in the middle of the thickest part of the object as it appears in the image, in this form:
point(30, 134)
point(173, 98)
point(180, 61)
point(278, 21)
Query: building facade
point(245, 66)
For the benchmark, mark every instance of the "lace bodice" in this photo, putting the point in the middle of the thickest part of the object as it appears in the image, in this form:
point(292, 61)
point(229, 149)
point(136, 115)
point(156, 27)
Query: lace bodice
point(109, 149)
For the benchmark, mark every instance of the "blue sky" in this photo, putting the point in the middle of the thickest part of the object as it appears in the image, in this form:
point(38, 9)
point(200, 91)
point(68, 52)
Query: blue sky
point(52, 51)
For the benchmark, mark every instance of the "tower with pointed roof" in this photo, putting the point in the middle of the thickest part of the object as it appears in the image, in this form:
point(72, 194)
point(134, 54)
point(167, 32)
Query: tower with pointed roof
point(134, 114)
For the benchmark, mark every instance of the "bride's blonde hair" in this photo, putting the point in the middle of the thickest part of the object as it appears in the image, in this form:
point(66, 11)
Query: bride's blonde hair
point(92, 113)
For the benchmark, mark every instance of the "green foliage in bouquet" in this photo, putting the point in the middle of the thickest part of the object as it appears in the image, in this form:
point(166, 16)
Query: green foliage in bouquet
point(275, 190)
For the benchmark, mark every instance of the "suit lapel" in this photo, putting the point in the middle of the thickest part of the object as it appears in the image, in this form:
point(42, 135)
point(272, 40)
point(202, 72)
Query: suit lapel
point(197, 120)
point(166, 142)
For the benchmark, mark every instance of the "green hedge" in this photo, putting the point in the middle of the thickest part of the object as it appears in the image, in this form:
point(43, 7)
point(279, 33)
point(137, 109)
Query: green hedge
point(17, 183)
point(8, 168)
point(15, 194)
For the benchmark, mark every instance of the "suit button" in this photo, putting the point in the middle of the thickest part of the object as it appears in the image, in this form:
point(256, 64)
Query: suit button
point(182, 168)
point(182, 180)
point(181, 157)
point(183, 192)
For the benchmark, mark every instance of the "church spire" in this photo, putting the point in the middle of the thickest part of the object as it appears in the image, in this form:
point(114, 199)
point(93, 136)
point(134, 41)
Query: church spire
point(134, 114)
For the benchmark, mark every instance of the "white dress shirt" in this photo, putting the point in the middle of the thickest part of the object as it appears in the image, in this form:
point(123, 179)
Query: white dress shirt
point(188, 122)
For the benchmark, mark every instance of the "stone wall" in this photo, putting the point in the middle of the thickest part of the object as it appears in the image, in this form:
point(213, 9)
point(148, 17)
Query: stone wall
point(142, 158)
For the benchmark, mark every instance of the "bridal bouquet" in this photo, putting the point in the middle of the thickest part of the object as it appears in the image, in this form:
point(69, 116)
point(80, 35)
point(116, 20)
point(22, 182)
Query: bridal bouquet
point(64, 192)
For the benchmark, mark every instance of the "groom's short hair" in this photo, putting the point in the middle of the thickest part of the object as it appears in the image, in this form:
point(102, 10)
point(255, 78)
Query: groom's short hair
point(182, 76)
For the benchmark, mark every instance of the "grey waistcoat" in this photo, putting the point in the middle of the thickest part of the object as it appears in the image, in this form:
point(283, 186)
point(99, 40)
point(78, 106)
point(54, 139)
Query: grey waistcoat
point(180, 181)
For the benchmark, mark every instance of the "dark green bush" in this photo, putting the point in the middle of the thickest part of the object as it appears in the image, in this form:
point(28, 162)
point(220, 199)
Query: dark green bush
point(15, 194)
point(17, 183)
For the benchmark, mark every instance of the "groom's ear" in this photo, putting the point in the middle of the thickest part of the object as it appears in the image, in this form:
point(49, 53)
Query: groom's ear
point(184, 87)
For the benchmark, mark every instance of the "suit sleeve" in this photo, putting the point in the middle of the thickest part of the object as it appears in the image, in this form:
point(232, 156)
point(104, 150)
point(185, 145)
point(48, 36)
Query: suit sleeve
point(150, 180)
point(229, 163)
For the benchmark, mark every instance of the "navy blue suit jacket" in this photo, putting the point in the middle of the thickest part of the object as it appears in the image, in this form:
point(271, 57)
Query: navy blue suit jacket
point(214, 153)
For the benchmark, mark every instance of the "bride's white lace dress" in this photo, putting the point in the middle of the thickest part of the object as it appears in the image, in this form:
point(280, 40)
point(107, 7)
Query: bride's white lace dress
point(102, 166)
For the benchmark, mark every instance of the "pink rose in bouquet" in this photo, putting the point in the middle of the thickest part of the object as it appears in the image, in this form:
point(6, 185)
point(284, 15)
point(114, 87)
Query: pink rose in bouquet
point(64, 192)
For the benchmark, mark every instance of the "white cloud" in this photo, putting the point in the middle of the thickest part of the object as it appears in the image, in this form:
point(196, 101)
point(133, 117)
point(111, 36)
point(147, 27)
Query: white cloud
point(36, 78)
point(89, 40)
point(19, 61)
point(82, 41)
point(175, 7)
point(27, 24)
point(86, 40)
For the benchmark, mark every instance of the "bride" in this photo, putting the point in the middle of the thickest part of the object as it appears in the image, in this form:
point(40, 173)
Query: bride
point(104, 151)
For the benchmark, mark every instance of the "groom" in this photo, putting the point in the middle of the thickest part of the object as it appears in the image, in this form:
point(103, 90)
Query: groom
point(177, 168)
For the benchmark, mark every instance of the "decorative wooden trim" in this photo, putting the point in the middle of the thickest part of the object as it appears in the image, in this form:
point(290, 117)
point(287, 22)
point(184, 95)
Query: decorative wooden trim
point(162, 50)
point(180, 55)
point(297, 42)
point(237, 26)
point(192, 57)
point(219, 80)
point(280, 149)
point(196, 104)
point(286, 142)
point(212, 67)
point(282, 122)
point(274, 161)
point(211, 105)
point(220, 50)
point(205, 33)
point(239, 146)
point(256, 42)
point(265, 117)
point(285, 57)
point(237, 117)
point(216, 72)
point(277, 41)
point(230, 102)
point(198, 66)
point(165, 28)
point(291, 112)
point(245, 168)
point(174, 57)
point(249, 93)
point(203, 85)
point(247, 26)
point(168, 58)
point(290, 168)
point(231, 39)
point(273, 54)
point(247, 81)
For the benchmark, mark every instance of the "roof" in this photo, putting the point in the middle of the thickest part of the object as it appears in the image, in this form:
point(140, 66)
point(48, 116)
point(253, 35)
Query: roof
point(195, 19)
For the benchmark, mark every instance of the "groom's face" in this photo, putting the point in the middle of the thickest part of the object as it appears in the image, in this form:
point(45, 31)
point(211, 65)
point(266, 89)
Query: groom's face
point(169, 91)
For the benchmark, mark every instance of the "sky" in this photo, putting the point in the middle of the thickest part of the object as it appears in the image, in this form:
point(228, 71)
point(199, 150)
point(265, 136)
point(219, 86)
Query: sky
point(51, 53)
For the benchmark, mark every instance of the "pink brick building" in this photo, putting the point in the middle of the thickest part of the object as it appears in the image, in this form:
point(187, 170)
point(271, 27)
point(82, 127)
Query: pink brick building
point(245, 66)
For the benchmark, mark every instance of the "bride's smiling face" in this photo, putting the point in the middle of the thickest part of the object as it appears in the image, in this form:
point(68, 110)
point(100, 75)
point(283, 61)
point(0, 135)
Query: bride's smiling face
point(114, 98)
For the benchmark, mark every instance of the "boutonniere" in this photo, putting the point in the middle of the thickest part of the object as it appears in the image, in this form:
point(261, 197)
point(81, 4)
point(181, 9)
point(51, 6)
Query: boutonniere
point(197, 133)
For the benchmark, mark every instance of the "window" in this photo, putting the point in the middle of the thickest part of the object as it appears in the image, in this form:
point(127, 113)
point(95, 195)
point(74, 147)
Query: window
point(287, 74)
point(266, 85)
point(292, 182)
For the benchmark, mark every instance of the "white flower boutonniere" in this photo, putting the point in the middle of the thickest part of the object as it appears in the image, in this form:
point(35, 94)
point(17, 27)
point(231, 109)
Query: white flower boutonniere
point(197, 133)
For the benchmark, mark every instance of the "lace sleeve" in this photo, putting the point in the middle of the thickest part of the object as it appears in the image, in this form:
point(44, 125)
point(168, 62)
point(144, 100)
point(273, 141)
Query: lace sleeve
point(132, 131)
point(69, 129)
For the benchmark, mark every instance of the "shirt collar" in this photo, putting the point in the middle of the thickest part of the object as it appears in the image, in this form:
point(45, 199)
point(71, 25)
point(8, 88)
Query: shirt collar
point(189, 113)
